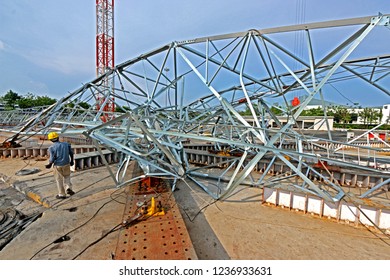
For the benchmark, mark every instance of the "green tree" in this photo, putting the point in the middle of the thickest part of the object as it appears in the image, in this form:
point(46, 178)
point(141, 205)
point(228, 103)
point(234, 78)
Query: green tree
point(44, 101)
point(341, 115)
point(370, 116)
point(365, 115)
point(30, 100)
point(10, 99)
point(313, 112)
point(276, 111)
point(120, 110)
point(84, 105)
point(246, 112)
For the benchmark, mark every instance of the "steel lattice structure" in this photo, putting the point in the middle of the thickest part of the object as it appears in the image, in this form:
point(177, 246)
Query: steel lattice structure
point(194, 91)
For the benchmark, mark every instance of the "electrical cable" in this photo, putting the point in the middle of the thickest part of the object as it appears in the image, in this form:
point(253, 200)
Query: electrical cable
point(192, 219)
point(299, 227)
point(341, 93)
point(364, 214)
point(10, 229)
point(76, 228)
point(64, 202)
point(101, 207)
point(373, 223)
point(111, 196)
point(115, 228)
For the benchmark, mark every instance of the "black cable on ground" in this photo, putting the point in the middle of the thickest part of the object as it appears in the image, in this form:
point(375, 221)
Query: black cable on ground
point(375, 225)
point(62, 202)
point(115, 228)
point(80, 226)
point(101, 207)
point(10, 229)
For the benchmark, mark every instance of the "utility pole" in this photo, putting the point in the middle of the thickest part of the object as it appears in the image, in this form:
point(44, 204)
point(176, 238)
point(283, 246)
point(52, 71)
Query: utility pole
point(105, 53)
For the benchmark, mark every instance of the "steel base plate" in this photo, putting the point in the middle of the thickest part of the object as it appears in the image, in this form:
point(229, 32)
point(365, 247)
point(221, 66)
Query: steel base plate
point(161, 237)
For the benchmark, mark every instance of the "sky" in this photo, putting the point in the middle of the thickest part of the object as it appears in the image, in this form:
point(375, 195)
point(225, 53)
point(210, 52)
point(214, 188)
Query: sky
point(48, 47)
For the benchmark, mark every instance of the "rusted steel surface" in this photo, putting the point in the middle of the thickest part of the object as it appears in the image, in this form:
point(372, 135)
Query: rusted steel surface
point(156, 237)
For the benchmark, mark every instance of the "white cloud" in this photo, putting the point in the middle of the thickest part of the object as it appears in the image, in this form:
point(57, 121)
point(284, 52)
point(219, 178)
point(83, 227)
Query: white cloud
point(60, 61)
point(2, 45)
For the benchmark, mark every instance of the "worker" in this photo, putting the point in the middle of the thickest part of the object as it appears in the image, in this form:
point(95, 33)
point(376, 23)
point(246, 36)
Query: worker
point(61, 156)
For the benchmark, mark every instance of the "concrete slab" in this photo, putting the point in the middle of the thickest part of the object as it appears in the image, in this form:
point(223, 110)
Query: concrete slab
point(83, 226)
point(68, 226)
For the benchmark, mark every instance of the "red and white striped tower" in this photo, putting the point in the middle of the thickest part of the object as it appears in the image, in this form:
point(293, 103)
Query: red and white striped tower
point(105, 51)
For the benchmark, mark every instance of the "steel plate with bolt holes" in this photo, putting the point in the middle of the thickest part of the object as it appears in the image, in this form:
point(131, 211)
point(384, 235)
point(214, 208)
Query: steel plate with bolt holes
point(157, 237)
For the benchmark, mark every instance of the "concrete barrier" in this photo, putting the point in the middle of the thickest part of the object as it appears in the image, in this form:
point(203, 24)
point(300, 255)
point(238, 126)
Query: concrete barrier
point(352, 213)
point(344, 177)
point(86, 157)
point(93, 159)
point(39, 151)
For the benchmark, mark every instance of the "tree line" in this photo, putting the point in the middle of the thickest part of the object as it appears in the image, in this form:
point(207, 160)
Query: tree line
point(341, 115)
point(12, 100)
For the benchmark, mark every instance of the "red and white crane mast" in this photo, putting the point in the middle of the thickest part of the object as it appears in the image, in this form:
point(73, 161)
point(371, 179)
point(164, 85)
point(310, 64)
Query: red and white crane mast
point(105, 50)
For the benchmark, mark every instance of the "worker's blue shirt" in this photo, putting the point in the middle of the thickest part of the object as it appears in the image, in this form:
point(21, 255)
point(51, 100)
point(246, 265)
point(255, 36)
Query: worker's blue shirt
point(60, 153)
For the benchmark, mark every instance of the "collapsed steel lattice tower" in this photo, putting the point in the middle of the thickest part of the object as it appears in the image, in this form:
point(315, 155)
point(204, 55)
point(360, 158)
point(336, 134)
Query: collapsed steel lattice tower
point(199, 100)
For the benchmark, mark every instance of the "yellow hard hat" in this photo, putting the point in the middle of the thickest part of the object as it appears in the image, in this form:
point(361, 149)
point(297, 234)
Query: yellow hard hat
point(52, 135)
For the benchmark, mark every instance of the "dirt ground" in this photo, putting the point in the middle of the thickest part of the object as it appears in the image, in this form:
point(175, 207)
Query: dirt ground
point(239, 228)
point(248, 229)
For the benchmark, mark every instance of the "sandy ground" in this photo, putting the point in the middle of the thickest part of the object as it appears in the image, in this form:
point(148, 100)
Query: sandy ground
point(249, 230)
point(238, 228)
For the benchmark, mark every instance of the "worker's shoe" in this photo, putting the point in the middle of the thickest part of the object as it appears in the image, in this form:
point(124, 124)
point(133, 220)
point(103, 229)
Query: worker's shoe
point(70, 192)
point(58, 196)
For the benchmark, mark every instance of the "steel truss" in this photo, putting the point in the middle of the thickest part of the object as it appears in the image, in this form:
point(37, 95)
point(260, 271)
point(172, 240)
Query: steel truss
point(194, 91)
